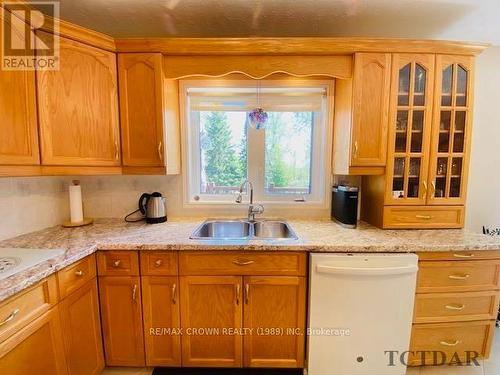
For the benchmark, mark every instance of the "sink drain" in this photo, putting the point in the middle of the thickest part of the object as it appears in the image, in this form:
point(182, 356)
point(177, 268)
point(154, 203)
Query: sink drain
point(7, 263)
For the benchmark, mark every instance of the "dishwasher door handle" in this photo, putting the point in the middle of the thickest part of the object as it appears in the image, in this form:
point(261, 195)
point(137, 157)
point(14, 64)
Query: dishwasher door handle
point(365, 271)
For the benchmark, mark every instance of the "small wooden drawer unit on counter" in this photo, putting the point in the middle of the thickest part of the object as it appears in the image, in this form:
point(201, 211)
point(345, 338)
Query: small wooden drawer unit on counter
point(456, 305)
point(203, 308)
point(53, 327)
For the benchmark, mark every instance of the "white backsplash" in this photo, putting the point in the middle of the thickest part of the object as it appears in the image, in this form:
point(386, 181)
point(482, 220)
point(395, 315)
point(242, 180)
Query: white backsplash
point(32, 203)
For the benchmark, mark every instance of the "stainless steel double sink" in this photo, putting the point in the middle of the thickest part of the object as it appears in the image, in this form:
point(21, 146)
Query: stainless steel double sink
point(242, 229)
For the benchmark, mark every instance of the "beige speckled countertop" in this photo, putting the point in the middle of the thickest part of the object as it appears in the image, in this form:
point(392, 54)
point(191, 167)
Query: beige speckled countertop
point(314, 236)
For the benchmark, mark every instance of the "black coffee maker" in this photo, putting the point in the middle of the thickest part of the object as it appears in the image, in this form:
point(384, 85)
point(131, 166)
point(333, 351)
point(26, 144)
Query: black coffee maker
point(345, 205)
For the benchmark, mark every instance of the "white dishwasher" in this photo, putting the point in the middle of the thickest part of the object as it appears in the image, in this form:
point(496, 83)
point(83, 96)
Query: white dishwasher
point(360, 307)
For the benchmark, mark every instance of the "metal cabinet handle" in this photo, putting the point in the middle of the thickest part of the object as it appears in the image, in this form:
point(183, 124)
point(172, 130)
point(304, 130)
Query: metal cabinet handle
point(174, 293)
point(425, 189)
point(241, 262)
point(117, 151)
point(117, 263)
point(134, 293)
point(10, 317)
point(160, 154)
point(79, 273)
point(424, 217)
point(446, 343)
point(459, 277)
point(355, 149)
point(433, 184)
point(158, 263)
point(238, 293)
point(247, 293)
point(463, 255)
point(455, 307)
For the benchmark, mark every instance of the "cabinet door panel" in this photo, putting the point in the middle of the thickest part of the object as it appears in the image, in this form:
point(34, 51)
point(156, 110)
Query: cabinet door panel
point(36, 349)
point(410, 122)
point(78, 108)
point(271, 303)
point(82, 331)
point(452, 129)
point(18, 127)
point(371, 105)
point(211, 305)
point(161, 313)
point(121, 316)
point(141, 108)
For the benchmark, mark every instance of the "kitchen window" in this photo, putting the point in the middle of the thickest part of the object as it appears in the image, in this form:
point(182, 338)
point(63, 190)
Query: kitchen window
point(286, 160)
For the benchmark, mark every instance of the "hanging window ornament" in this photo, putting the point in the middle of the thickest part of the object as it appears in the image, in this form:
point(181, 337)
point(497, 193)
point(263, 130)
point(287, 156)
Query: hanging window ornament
point(258, 117)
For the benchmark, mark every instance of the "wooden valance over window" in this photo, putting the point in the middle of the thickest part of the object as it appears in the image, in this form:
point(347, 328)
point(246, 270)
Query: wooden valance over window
point(258, 67)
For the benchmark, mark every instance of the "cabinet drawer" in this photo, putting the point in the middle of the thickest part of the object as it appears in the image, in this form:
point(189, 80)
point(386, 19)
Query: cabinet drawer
point(449, 307)
point(420, 217)
point(73, 277)
point(242, 263)
point(461, 276)
point(22, 309)
point(450, 338)
point(159, 263)
point(118, 263)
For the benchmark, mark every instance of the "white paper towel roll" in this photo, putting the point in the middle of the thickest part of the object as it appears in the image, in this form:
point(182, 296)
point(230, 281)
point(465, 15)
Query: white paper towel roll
point(75, 202)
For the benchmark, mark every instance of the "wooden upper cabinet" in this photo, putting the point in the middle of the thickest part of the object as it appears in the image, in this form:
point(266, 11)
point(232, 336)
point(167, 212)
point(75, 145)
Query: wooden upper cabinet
point(78, 108)
point(18, 125)
point(141, 108)
point(211, 303)
point(274, 311)
point(452, 129)
point(121, 316)
point(81, 325)
point(371, 87)
point(410, 122)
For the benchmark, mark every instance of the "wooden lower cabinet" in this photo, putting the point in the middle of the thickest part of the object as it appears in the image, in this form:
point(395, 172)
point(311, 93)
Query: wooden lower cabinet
point(161, 320)
point(80, 321)
point(36, 349)
point(211, 309)
point(121, 315)
point(274, 312)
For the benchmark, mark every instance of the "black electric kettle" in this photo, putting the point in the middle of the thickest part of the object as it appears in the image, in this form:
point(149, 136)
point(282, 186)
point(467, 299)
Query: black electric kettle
point(153, 208)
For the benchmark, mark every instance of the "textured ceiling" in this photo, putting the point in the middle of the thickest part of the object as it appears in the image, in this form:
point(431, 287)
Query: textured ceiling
point(470, 20)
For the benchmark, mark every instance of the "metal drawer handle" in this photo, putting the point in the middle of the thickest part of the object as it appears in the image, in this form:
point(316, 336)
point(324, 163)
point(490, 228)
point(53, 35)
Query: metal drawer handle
point(424, 217)
point(459, 277)
point(174, 293)
point(117, 263)
point(455, 307)
point(446, 343)
point(158, 263)
point(79, 273)
point(240, 262)
point(463, 255)
point(10, 317)
point(238, 293)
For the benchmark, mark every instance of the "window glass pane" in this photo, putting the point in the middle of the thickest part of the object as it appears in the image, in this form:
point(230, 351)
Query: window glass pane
point(288, 152)
point(404, 85)
point(223, 146)
point(419, 91)
point(446, 86)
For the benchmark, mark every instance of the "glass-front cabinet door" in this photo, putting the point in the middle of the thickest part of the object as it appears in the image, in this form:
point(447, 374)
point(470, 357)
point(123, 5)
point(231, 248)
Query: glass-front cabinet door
point(409, 129)
point(450, 144)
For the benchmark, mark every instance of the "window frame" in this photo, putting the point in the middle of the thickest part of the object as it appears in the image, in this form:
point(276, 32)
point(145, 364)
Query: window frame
point(320, 192)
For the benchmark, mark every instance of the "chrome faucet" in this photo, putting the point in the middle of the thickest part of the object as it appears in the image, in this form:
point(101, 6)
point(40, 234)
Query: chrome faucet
point(253, 209)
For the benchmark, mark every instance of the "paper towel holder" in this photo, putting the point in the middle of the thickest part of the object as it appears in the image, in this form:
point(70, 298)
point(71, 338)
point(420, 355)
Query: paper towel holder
point(85, 220)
